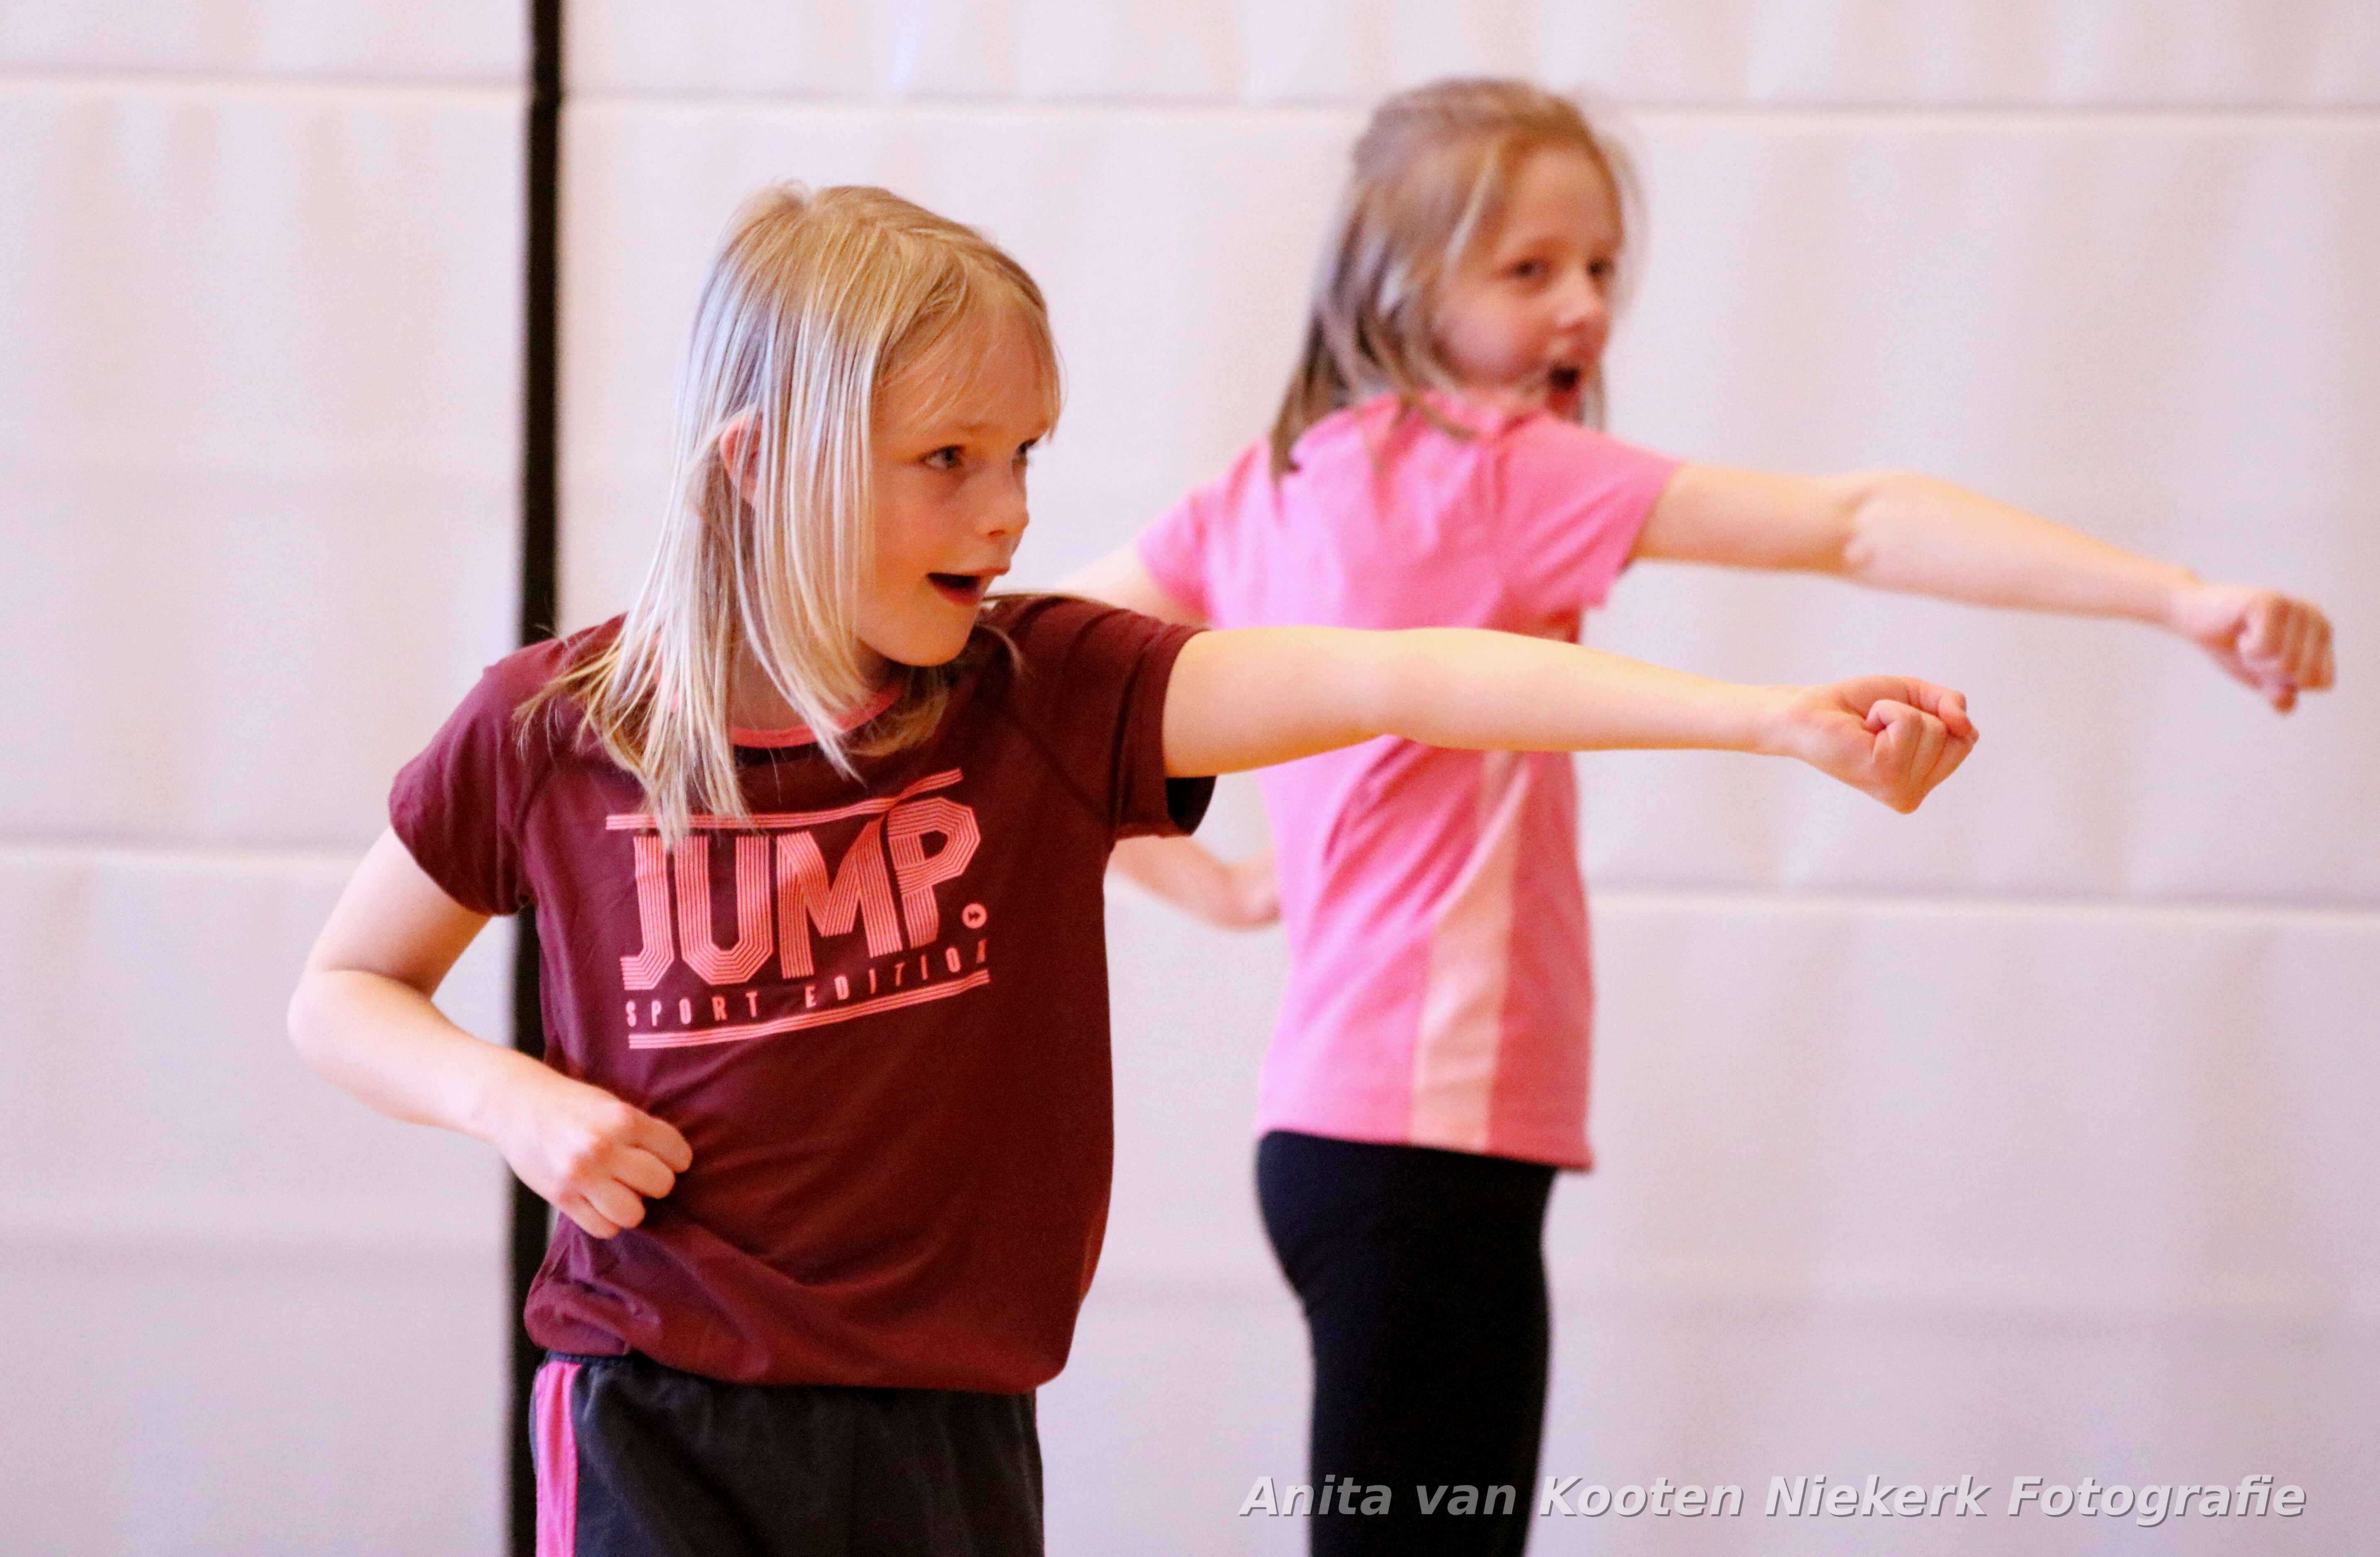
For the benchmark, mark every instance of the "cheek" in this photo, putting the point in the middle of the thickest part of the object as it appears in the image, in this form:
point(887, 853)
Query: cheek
point(1466, 336)
point(1497, 339)
point(900, 521)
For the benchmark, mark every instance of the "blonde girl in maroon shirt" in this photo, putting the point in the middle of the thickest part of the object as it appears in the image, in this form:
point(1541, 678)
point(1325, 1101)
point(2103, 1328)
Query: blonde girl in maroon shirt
point(815, 836)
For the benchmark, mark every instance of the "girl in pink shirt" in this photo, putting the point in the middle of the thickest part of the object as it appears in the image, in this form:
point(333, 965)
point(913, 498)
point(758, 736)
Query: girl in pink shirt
point(1433, 463)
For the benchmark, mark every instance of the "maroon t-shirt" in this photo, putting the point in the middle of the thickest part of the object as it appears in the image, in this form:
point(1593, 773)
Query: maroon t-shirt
point(878, 1011)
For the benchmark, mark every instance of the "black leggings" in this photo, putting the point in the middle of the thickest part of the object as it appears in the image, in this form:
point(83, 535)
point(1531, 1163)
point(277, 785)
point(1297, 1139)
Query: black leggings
point(1424, 1280)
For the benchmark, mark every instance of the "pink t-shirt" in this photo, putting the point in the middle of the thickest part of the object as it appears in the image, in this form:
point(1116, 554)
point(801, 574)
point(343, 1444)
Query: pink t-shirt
point(1439, 992)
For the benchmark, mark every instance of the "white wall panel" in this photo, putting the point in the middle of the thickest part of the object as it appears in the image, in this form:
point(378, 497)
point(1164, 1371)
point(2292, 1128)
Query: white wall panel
point(219, 1400)
point(2050, 313)
point(2169, 1101)
point(2153, 329)
point(2203, 53)
point(430, 40)
point(1738, 1393)
point(148, 990)
point(1175, 314)
point(259, 415)
point(269, 1319)
point(1894, 1187)
point(1917, 1190)
point(260, 450)
point(1182, 1389)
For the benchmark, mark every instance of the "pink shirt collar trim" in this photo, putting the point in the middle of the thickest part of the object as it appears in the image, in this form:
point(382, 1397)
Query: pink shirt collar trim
point(802, 734)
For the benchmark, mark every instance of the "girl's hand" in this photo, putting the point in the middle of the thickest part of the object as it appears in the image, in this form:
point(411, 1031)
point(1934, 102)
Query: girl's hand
point(362, 1015)
point(593, 1157)
point(2266, 639)
point(1886, 736)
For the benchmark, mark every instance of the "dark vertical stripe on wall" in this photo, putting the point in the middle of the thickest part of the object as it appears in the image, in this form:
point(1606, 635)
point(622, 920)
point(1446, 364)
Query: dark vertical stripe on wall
point(541, 502)
point(540, 319)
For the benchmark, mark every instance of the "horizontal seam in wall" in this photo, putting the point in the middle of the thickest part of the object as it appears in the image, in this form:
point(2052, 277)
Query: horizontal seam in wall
point(476, 90)
point(68, 852)
point(2353, 915)
point(2340, 916)
point(1128, 1281)
point(2145, 115)
point(103, 1244)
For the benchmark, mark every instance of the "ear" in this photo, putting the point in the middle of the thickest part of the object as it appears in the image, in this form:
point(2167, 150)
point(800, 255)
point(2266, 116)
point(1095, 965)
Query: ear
point(739, 451)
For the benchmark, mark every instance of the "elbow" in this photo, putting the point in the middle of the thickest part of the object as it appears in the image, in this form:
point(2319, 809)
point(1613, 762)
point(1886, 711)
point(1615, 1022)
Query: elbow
point(1862, 507)
point(308, 1022)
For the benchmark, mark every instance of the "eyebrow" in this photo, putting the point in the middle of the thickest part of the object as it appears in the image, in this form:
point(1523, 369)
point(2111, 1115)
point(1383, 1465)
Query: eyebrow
point(943, 434)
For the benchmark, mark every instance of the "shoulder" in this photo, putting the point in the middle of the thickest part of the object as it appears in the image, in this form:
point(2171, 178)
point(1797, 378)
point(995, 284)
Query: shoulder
point(529, 670)
point(1036, 629)
point(506, 700)
point(1063, 658)
point(1542, 432)
point(1083, 684)
point(458, 805)
point(1360, 431)
point(1544, 462)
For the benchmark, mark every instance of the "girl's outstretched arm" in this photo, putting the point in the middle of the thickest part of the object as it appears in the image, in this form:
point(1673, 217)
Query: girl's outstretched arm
point(1897, 532)
point(1256, 696)
point(363, 1016)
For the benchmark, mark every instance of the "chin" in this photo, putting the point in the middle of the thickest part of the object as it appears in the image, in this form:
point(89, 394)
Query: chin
point(931, 633)
point(928, 650)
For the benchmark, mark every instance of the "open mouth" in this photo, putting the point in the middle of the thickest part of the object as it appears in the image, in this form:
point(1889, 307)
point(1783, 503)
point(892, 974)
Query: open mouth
point(1564, 379)
point(961, 589)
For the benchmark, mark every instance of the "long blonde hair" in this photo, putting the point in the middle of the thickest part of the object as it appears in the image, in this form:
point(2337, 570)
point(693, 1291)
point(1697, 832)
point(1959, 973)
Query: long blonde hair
point(812, 305)
point(1432, 173)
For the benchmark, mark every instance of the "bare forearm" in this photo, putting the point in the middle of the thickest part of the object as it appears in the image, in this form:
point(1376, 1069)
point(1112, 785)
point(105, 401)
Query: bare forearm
point(1176, 869)
point(363, 1017)
point(1930, 537)
point(1236, 895)
point(1908, 533)
point(1469, 688)
point(391, 1047)
point(1246, 698)
point(1266, 695)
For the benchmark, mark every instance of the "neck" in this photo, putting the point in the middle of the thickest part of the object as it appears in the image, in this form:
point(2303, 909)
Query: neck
point(754, 702)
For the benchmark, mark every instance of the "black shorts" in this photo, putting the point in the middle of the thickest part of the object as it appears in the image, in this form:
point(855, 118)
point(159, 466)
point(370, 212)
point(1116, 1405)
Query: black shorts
point(639, 1460)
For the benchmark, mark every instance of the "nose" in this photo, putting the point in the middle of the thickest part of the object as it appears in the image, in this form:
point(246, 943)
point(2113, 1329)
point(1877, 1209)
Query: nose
point(1583, 299)
point(1003, 515)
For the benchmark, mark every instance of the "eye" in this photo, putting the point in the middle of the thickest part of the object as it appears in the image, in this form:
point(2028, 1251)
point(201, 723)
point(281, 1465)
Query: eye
point(1025, 451)
point(1528, 270)
point(950, 457)
point(1602, 271)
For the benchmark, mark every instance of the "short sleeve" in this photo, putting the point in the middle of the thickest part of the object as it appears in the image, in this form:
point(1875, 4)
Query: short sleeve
point(455, 807)
point(1574, 500)
point(1090, 691)
point(1174, 550)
